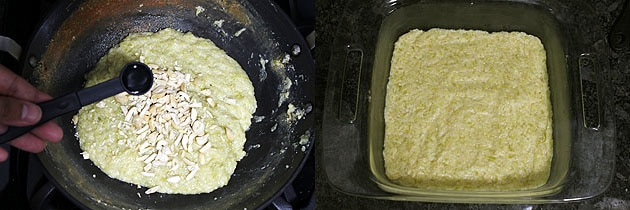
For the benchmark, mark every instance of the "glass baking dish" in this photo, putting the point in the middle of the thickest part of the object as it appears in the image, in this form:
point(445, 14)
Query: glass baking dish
point(353, 124)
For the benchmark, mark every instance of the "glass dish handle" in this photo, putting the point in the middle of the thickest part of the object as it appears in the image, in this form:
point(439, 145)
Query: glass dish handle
point(620, 32)
point(8, 45)
point(590, 91)
point(349, 90)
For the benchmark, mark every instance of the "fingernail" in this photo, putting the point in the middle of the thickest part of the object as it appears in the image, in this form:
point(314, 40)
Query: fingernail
point(30, 113)
point(3, 128)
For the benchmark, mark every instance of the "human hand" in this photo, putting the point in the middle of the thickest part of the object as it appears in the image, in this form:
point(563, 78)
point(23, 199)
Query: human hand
point(18, 108)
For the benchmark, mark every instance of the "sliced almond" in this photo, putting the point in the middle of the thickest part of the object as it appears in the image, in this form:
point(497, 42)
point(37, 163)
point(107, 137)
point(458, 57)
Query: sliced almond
point(174, 179)
point(142, 130)
point(230, 101)
point(175, 166)
point(201, 140)
point(147, 167)
point(202, 159)
point(191, 174)
point(188, 162)
point(133, 111)
point(167, 151)
point(185, 140)
point(205, 147)
point(229, 134)
point(193, 114)
point(142, 158)
point(100, 104)
point(121, 98)
point(150, 158)
point(152, 190)
point(206, 92)
point(153, 66)
point(161, 157)
point(211, 102)
point(160, 144)
point(147, 174)
point(85, 155)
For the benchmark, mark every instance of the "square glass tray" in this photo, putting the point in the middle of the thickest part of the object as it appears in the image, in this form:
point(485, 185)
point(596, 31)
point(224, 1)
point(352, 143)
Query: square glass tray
point(353, 126)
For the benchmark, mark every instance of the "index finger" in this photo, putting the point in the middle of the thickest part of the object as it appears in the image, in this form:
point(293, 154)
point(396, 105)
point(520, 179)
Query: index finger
point(15, 86)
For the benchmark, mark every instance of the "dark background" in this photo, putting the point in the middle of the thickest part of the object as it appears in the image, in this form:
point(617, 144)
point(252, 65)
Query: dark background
point(328, 15)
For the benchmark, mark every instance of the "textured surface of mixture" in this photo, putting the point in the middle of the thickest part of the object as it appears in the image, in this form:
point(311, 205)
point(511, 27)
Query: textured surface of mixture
point(187, 133)
point(468, 110)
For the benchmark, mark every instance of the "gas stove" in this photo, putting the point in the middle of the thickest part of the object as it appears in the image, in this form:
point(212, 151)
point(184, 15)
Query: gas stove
point(23, 182)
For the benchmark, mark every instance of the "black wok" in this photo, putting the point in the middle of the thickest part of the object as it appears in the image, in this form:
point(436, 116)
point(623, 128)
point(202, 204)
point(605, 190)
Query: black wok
point(78, 33)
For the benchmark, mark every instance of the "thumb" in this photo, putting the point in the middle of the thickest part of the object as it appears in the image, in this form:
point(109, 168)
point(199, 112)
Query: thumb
point(17, 112)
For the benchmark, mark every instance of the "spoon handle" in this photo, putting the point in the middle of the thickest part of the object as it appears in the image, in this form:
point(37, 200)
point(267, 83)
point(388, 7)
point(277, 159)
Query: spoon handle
point(100, 91)
point(65, 104)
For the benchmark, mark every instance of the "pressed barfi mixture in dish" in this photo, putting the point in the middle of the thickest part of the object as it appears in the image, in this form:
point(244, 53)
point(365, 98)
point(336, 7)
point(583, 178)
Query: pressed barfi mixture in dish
point(468, 110)
point(186, 135)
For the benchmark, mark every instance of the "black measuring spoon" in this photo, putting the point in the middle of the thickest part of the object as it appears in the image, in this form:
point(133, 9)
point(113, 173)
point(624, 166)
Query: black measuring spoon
point(135, 78)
